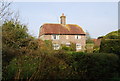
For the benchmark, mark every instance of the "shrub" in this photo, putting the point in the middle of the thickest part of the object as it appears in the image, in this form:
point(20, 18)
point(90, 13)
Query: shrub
point(96, 49)
point(66, 48)
point(38, 66)
point(62, 65)
point(111, 43)
point(72, 47)
point(89, 47)
point(96, 66)
point(110, 46)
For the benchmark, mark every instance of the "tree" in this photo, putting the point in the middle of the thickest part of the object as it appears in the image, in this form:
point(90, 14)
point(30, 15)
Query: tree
point(15, 39)
point(14, 34)
point(89, 43)
point(88, 38)
point(5, 11)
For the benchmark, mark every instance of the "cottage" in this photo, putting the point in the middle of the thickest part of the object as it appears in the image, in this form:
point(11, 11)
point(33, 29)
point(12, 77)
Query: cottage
point(63, 34)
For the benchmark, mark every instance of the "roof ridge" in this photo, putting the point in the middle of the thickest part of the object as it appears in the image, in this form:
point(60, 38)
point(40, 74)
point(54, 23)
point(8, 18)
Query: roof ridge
point(50, 23)
point(71, 24)
point(75, 25)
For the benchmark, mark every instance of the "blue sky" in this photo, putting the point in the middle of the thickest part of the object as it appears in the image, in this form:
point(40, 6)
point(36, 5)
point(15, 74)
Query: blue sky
point(98, 18)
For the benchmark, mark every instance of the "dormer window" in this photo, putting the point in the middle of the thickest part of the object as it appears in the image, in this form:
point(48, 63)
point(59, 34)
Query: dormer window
point(55, 37)
point(77, 37)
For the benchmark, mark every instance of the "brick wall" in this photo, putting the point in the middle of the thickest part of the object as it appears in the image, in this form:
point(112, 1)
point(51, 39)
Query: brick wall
point(63, 40)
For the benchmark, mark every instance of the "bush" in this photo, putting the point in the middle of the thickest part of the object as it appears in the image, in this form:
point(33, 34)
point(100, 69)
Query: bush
point(72, 47)
point(111, 43)
point(113, 35)
point(38, 66)
point(96, 49)
point(22, 68)
point(66, 48)
point(60, 65)
point(14, 38)
point(89, 47)
point(96, 66)
point(110, 46)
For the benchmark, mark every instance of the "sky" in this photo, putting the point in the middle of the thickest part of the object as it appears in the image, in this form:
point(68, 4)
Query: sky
point(64, 0)
point(98, 18)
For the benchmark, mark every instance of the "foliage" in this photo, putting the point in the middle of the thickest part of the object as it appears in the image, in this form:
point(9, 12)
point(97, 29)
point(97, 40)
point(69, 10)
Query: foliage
point(96, 49)
point(64, 47)
point(113, 35)
point(15, 42)
point(33, 45)
point(48, 43)
point(89, 47)
point(88, 38)
point(72, 47)
point(25, 57)
point(46, 47)
point(61, 65)
point(110, 46)
point(111, 43)
point(95, 66)
point(15, 35)
point(37, 66)
point(89, 41)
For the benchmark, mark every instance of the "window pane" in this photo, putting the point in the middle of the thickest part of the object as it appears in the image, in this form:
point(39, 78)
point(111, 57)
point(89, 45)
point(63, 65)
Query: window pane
point(55, 36)
point(56, 46)
point(78, 46)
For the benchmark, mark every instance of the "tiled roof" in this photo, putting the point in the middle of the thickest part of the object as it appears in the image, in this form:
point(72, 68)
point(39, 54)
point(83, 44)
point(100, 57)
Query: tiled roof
point(96, 42)
point(61, 29)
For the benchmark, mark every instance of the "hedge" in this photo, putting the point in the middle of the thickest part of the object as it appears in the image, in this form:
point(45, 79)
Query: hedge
point(110, 46)
point(60, 65)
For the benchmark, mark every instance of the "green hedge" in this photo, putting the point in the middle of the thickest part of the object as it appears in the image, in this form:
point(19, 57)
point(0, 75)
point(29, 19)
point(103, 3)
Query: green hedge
point(61, 65)
point(96, 66)
point(110, 46)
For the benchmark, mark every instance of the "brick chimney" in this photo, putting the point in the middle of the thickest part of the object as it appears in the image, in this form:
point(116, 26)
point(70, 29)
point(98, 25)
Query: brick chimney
point(63, 19)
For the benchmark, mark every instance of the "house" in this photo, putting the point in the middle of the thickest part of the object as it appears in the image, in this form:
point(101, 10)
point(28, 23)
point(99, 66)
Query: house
point(63, 34)
point(97, 41)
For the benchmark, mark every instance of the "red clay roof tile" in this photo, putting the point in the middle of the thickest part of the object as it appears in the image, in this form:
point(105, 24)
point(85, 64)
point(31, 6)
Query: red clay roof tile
point(60, 29)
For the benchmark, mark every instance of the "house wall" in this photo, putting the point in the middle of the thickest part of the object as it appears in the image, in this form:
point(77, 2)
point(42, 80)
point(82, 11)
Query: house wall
point(63, 40)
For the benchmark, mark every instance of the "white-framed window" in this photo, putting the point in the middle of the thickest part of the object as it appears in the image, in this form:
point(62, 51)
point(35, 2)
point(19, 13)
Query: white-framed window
point(67, 44)
point(67, 37)
point(78, 46)
point(56, 46)
point(77, 37)
point(55, 37)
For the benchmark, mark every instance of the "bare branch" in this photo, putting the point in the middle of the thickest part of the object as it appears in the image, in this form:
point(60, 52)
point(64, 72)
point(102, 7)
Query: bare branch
point(4, 9)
